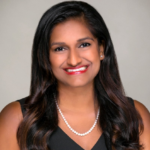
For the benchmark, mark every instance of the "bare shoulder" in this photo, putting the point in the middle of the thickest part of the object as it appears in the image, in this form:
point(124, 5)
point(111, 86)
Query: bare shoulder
point(145, 115)
point(10, 118)
point(13, 108)
point(140, 106)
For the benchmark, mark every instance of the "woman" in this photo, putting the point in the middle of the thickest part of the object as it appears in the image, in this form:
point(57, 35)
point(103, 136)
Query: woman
point(76, 97)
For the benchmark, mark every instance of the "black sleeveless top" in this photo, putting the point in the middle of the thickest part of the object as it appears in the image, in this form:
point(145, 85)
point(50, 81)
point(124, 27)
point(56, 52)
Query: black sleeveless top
point(59, 140)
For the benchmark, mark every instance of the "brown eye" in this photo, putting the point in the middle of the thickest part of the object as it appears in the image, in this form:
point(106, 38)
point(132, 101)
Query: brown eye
point(84, 45)
point(59, 49)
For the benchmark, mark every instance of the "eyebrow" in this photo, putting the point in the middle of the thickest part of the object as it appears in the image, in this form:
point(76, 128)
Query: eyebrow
point(79, 40)
point(57, 43)
point(86, 38)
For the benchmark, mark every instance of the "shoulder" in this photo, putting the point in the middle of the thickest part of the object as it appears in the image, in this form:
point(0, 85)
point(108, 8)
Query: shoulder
point(12, 112)
point(10, 118)
point(145, 115)
point(143, 111)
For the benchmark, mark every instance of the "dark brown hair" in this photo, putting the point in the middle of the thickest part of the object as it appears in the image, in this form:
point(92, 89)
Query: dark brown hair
point(119, 119)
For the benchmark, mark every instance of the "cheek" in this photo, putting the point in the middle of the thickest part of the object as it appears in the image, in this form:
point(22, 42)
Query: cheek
point(95, 59)
point(96, 66)
point(93, 56)
point(53, 62)
point(54, 66)
point(56, 61)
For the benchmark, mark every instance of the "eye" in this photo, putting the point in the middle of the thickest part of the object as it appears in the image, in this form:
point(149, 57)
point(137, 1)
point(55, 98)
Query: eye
point(84, 45)
point(59, 49)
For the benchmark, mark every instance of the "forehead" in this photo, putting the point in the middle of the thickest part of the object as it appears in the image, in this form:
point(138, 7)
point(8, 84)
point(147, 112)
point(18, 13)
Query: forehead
point(72, 29)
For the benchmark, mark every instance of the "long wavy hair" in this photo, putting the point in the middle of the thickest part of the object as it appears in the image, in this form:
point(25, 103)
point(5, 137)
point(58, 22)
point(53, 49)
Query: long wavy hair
point(119, 120)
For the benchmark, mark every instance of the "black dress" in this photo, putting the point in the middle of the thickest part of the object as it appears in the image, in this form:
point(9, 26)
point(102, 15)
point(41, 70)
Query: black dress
point(59, 140)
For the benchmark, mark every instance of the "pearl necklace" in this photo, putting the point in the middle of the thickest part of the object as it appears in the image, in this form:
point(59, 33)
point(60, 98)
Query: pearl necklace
point(77, 133)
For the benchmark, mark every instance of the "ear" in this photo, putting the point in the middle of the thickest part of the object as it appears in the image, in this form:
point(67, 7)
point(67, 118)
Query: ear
point(101, 49)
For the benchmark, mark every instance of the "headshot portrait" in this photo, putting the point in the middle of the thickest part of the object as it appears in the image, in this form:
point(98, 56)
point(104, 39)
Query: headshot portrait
point(75, 75)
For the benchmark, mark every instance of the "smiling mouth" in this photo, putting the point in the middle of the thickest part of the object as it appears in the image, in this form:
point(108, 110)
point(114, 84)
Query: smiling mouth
point(75, 70)
point(80, 70)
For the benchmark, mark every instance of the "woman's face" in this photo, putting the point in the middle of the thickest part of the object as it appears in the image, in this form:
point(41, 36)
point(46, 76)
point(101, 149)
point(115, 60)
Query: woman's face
point(74, 53)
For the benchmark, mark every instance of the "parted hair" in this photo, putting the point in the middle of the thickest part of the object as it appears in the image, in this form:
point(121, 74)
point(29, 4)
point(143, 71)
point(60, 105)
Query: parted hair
point(119, 120)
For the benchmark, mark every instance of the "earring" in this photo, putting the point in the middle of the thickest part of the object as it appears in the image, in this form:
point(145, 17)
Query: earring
point(101, 55)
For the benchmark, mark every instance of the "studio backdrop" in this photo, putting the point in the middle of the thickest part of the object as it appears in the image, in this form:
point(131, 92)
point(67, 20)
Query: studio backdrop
point(128, 22)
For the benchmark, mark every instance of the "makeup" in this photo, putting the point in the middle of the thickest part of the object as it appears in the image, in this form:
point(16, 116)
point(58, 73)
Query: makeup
point(76, 70)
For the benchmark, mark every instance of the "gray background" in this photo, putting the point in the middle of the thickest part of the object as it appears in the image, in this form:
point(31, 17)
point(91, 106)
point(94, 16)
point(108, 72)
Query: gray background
point(128, 22)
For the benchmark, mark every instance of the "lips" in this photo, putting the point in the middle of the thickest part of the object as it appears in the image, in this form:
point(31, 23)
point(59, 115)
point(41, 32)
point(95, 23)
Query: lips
point(76, 70)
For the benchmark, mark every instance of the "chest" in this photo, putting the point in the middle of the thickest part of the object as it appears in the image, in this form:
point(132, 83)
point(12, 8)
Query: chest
point(59, 140)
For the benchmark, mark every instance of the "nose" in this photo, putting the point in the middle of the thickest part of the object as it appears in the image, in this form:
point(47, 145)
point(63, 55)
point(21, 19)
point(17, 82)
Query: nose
point(74, 58)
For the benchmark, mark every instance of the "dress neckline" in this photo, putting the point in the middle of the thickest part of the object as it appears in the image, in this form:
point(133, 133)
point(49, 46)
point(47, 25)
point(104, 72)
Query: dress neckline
point(69, 138)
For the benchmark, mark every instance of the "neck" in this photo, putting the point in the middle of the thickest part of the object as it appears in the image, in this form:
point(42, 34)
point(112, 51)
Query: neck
point(77, 98)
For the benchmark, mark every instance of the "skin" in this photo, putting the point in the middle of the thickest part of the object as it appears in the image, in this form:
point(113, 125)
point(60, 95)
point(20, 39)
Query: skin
point(76, 92)
point(78, 88)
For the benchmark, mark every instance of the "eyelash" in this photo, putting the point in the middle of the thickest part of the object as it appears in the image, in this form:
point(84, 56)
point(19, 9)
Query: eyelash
point(58, 49)
point(85, 45)
point(81, 46)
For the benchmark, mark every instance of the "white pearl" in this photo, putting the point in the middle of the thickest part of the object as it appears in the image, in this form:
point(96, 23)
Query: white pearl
point(79, 134)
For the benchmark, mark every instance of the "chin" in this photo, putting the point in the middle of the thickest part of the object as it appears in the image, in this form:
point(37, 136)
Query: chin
point(77, 84)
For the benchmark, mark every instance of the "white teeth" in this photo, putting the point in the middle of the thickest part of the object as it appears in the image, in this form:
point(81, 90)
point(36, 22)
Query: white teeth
point(74, 70)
